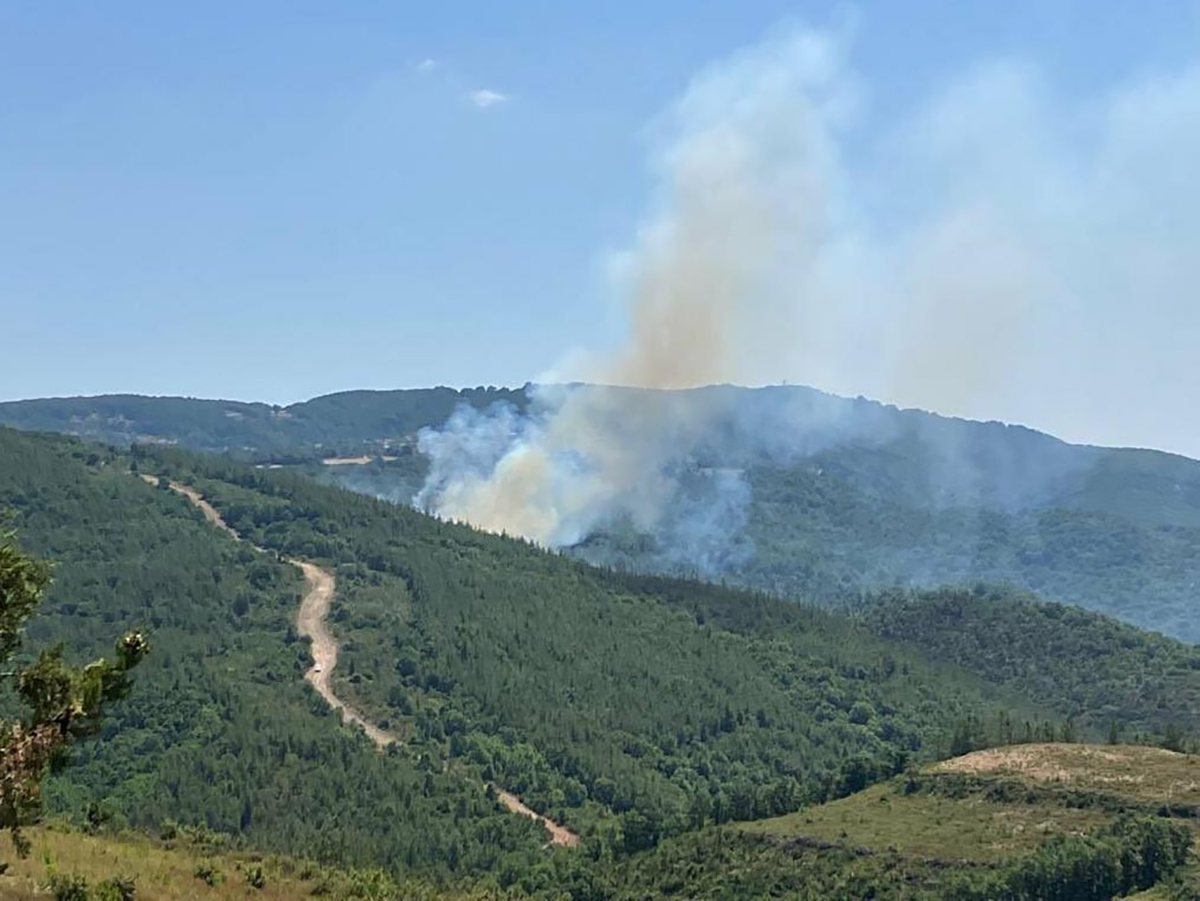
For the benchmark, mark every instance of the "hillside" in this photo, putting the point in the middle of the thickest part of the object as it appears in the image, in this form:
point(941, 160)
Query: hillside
point(221, 730)
point(1070, 822)
point(818, 496)
point(193, 863)
point(351, 421)
point(589, 693)
point(640, 711)
point(1102, 674)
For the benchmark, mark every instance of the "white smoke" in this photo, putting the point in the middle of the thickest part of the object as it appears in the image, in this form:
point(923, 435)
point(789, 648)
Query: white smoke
point(995, 243)
point(745, 172)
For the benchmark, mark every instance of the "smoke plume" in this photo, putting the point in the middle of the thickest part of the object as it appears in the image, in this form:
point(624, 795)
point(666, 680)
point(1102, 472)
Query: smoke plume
point(743, 173)
point(951, 266)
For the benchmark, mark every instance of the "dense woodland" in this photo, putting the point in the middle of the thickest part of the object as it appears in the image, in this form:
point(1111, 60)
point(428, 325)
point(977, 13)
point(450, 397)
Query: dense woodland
point(636, 709)
point(842, 496)
point(1100, 673)
point(592, 693)
point(220, 731)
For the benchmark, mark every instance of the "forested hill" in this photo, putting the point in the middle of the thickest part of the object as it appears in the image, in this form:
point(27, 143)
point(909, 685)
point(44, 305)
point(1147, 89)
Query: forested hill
point(631, 708)
point(350, 421)
point(1103, 674)
point(834, 497)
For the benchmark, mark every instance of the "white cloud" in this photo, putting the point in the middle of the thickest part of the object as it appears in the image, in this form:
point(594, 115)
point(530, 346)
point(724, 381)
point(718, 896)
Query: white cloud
point(428, 64)
point(483, 98)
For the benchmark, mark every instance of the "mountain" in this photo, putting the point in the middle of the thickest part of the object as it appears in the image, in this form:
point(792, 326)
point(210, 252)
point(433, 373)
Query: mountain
point(789, 490)
point(639, 712)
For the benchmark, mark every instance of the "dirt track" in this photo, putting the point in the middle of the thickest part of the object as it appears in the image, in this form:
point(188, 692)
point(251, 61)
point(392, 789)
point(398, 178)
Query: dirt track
point(310, 621)
point(559, 835)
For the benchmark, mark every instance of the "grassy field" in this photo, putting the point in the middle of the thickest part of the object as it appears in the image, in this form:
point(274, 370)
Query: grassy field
point(883, 818)
point(1146, 775)
point(188, 867)
point(992, 806)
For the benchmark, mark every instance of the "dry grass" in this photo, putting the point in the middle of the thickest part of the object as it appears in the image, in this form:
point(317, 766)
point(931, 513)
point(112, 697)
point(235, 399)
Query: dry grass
point(1134, 772)
point(162, 871)
point(931, 826)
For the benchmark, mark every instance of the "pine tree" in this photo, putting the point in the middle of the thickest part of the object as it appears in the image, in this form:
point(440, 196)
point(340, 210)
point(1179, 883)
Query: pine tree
point(62, 702)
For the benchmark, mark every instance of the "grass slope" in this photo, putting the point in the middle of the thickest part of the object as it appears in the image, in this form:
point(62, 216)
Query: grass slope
point(196, 865)
point(1029, 821)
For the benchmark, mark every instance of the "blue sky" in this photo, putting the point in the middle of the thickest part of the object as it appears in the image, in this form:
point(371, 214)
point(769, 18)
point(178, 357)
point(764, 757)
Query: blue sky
point(278, 200)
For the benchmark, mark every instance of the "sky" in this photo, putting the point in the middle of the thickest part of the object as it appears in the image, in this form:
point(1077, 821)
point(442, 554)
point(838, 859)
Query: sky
point(277, 200)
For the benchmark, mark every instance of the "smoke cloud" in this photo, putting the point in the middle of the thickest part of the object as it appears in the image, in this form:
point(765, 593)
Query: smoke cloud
point(996, 242)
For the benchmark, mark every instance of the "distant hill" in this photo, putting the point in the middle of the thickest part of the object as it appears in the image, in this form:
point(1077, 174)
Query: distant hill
point(1105, 675)
point(350, 421)
point(816, 496)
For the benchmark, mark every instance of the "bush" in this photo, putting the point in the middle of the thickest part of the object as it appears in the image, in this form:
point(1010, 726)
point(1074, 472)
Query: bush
point(207, 873)
point(255, 878)
point(64, 887)
point(116, 889)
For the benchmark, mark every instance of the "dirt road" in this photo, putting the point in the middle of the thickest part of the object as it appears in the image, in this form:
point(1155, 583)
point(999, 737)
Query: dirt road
point(310, 622)
point(559, 835)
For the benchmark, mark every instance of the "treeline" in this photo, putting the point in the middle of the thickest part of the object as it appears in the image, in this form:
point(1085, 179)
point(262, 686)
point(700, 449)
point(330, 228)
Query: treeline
point(1130, 854)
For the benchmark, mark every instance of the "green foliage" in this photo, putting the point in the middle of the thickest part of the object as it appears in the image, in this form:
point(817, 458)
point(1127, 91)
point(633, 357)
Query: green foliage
point(61, 702)
point(1089, 668)
point(255, 877)
point(222, 725)
point(1130, 854)
point(846, 495)
point(641, 711)
point(68, 887)
point(629, 707)
point(118, 888)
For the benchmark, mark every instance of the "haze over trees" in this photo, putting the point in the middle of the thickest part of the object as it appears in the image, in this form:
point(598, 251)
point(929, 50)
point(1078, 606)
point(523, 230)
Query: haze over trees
point(786, 489)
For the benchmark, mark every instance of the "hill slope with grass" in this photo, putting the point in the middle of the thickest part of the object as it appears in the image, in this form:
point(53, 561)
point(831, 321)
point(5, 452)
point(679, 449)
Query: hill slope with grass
point(1041, 822)
point(193, 863)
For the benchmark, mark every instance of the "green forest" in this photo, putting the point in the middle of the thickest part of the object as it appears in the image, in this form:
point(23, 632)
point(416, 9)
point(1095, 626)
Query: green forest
point(844, 497)
point(648, 714)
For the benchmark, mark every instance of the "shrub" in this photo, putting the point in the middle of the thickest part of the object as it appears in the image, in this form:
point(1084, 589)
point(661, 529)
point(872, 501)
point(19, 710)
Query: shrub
point(67, 887)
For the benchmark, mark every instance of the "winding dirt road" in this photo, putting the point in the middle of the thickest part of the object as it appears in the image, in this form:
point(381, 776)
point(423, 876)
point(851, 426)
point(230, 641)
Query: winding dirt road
point(310, 622)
